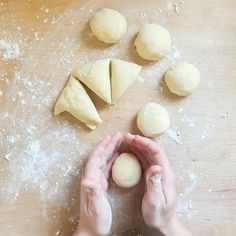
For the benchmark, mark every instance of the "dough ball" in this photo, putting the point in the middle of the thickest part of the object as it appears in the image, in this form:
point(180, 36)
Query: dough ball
point(153, 42)
point(153, 119)
point(182, 79)
point(126, 170)
point(108, 25)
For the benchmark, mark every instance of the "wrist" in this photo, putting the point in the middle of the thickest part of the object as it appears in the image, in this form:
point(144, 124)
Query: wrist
point(174, 228)
point(171, 227)
point(82, 231)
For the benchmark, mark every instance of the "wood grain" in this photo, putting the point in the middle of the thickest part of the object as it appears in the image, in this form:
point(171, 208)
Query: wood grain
point(205, 34)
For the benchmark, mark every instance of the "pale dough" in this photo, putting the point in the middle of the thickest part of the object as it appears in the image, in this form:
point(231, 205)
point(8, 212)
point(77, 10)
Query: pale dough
point(96, 76)
point(182, 79)
point(153, 119)
point(108, 78)
point(75, 100)
point(152, 42)
point(126, 170)
point(108, 25)
point(123, 74)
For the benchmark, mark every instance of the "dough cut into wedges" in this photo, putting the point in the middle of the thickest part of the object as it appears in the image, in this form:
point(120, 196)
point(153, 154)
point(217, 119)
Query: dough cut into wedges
point(75, 100)
point(123, 74)
point(96, 75)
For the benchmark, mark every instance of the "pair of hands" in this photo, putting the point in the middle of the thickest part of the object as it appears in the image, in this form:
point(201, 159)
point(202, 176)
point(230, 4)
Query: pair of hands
point(158, 205)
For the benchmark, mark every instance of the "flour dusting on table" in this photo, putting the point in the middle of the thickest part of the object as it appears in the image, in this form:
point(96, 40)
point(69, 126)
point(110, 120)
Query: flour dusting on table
point(44, 153)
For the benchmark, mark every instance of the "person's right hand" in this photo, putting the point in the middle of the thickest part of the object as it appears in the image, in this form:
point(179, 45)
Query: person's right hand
point(158, 205)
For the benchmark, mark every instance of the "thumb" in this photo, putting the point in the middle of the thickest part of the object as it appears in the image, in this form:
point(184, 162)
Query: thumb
point(97, 203)
point(98, 207)
point(154, 185)
point(95, 195)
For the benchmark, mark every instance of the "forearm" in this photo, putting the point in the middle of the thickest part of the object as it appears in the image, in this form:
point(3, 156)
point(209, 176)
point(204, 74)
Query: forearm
point(175, 228)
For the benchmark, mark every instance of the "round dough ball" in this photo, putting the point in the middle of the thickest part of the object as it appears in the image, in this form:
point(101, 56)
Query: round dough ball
point(182, 79)
point(108, 25)
point(153, 119)
point(153, 42)
point(126, 170)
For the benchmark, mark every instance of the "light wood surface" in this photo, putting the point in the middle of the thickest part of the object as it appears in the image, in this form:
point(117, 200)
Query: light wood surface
point(204, 32)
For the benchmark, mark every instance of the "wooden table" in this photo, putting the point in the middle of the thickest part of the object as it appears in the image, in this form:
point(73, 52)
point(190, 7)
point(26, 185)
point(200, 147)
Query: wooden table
point(42, 157)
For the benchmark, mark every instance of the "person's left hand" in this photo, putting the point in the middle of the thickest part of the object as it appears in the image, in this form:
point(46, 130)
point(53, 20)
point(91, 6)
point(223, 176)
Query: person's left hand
point(95, 210)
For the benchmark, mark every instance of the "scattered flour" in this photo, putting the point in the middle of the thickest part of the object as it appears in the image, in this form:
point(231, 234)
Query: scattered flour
point(47, 154)
point(175, 136)
point(9, 50)
point(184, 204)
point(206, 130)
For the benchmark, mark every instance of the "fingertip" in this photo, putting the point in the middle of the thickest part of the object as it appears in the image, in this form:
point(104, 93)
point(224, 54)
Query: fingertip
point(139, 140)
point(118, 133)
point(117, 136)
point(129, 138)
point(116, 141)
point(143, 140)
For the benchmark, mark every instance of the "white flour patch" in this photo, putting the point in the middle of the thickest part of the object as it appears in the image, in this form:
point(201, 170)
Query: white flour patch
point(175, 136)
point(205, 133)
point(9, 50)
point(190, 121)
point(43, 153)
point(184, 204)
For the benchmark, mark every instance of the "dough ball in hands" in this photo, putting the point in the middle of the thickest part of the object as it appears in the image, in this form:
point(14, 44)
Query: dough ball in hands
point(182, 79)
point(108, 25)
point(153, 42)
point(153, 119)
point(126, 170)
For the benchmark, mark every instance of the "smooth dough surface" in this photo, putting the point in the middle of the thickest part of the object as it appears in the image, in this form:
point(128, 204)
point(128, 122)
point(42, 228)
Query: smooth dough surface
point(182, 79)
point(123, 74)
point(126, 170)
point(152, 42)
point(96, 76)
point(108, 78)
point(153, 119)
point(75, 100)
point(108, 25)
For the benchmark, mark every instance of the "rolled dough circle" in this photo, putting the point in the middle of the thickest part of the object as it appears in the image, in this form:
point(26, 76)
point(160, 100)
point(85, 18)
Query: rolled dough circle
point(108, 25)
point(152, 42)
point(153, 119)
point(126, 170)
point(182, 79)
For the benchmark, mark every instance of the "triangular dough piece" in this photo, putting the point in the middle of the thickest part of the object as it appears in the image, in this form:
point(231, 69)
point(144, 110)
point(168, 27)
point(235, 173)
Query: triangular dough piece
point(123, 74)
point(96, 75)
point(75, 100)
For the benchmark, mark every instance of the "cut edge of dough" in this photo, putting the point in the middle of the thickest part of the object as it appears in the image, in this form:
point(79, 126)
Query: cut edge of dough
point(118, 63)
point(61, 106)
point(85, 71)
